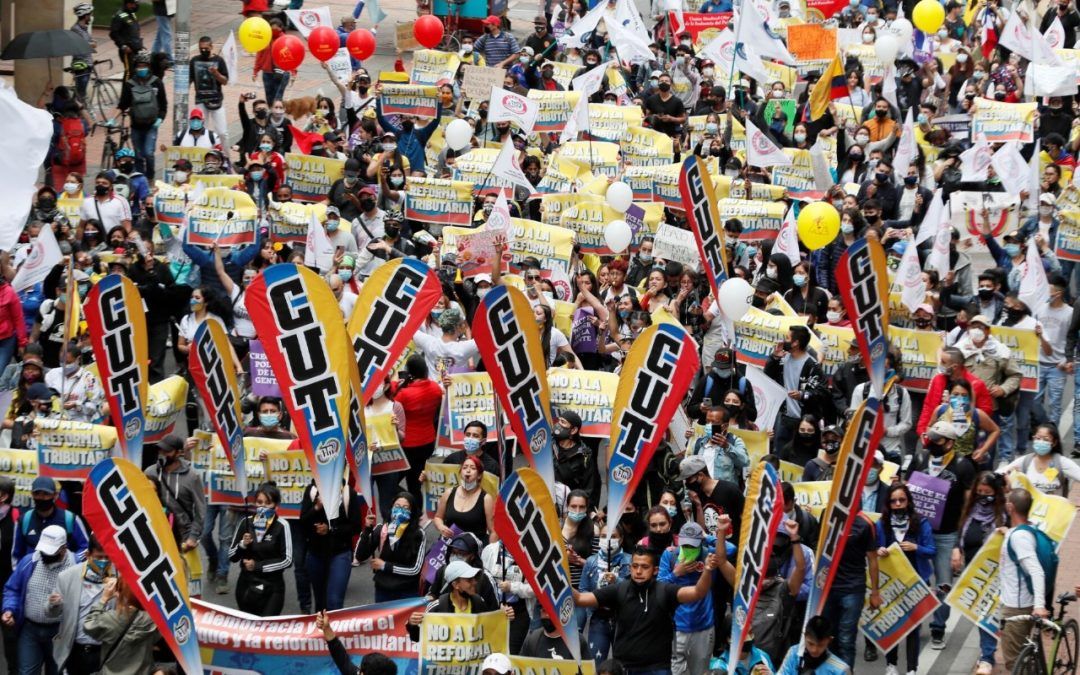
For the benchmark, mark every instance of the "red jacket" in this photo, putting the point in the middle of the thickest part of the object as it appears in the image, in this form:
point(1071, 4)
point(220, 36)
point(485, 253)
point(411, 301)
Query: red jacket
point(936, 395)
point(11, 315)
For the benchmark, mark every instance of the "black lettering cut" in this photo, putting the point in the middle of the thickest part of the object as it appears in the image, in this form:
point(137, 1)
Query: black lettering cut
point(317, 399)
point(403, 287)
point(304, 353)
point(139, 542)
point(282, 296)
point(127, 390)
point(513, 357)
point(113, 310)
point(500, 318)
point(119, 511)
point(635, 432)
point(519, 506)
point(120, 348)
point(158, 582)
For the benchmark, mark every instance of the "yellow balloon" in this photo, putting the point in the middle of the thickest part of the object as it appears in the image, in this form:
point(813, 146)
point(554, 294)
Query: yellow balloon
point(928, 16)
point(818, 225)
point(254, 34)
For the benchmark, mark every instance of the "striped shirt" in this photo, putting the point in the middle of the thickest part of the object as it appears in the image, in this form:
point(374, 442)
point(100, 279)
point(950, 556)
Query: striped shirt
point(497, 48)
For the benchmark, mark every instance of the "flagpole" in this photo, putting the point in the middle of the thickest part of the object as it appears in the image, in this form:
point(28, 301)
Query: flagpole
point(734, 59)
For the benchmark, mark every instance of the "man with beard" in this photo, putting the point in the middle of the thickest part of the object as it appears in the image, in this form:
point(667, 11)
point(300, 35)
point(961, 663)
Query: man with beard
point(644, 609)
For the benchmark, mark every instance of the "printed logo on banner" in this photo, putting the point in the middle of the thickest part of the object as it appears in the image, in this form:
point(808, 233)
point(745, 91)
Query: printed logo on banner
point(220, 392)
point(696, 189)
point(514, 104)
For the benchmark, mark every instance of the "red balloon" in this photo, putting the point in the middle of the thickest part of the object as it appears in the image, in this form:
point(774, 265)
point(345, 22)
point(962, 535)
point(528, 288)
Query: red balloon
point(360, 43)
point(287, 52)
point(428, 31)
point(323, 41)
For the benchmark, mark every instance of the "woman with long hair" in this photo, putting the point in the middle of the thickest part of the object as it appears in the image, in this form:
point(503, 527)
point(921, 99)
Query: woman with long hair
point(806, 298)
point(976, 431)
point(263, 547)
point(579, 533)
point(1045, 466)
point(589, 322)
point(552, 340)
point(382, 403)
point(395, 549)
point(467, 505)
point(735, 403)
point(126, 632)
point(904, 526)
point(984, 512)
point(805, 443)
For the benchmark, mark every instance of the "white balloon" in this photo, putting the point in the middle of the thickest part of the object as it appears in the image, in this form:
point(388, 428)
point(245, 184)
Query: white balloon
point(736, 297)
point(903, 30)
point(620, 196)
point(886, 47)
point(458, 134)
point(617, 234)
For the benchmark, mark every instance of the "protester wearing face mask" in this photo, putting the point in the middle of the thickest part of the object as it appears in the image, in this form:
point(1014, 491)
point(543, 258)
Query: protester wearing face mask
point(800, 374)
point(852, 227)
point(81, 395)
point(823, 466)
point(262, 545)
point(610, 564)
point(712, 499)
point(724, 374)
point(1045, 466)
point(196, 135)
point(181, 489)
point(329, 545)
point(45, 513)
point(575, 464)
point(78, 587)
point(105, 206)
point(466, 505)
point(724, 452)
point(143, 98)
point(395, 549)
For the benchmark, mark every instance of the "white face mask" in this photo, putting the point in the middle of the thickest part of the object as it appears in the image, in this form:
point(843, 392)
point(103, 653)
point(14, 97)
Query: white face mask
point(71, 188)
point(833, 317)
point(961, 58)
point(867, 37)
point(862, 139)
point(977, 334)
point(846, 227)
point(771, 272)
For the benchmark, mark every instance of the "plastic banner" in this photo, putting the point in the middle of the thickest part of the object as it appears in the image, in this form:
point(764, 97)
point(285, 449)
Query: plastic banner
point(451, 644)
point(812, 495)
point(164, 406)
point(125, 514)
point(835, 341)
point(697, 191)
point(224, 217)
point(234, 643)
point(386, 453)
point(1001, 122)
point(919, 349)
point(438, 201)
point(392, 305)
point(1053, 514)
point(589, 393)
point(298, 317)
point(758, 332)
point(760, 219)
point(66, 449)
point(762, 513)
point(555, 108)
point(471, 398)
point(290, 221)
point(977, 593)
point(906, 601)
point(22, 467)
point(506, 334)
point(610, 122)
point(210, 363)
point(864, 287)
point(528, 526)
point(1024, 347)
point(440, 478)
point(116, 320)
point(409, 99)
point(656, 374)
point(432, 67)
point(311, 177)
point(647, 147)
point(601, 157)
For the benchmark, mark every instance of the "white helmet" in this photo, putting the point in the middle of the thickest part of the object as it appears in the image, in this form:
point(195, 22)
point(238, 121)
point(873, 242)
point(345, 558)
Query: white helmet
point(83, 9)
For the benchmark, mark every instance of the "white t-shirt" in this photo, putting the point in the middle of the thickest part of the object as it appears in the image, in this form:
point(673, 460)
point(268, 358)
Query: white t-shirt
point(189, 324)
point(242, 324)
point(441, 356)
point(113, 211)
point(1048, 481)
point(1014, 592)
point(558, 341)
point(347, 303)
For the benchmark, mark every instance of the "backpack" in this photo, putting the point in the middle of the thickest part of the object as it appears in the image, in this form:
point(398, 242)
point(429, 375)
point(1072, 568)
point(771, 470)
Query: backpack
point(144, 103)
point(1055, 463)
point(1046, 550)
point(771, 622)
point(69, 522)
point(72, 145)
point(827, 469)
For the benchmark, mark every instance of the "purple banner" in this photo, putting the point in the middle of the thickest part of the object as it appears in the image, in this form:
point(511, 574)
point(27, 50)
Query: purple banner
point(436, 558)
point(584, 333)
point(263, 382)
point(929, 494)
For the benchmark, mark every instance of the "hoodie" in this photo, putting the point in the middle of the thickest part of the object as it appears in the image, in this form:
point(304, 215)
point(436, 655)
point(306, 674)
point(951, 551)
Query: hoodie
point(183, 492)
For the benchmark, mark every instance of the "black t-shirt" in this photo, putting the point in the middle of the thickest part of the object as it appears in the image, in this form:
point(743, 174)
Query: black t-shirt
point(654, 105)
point(643, 622)
point(726, 498)
point(207, 88)
point(851, 573)
point(961, 473)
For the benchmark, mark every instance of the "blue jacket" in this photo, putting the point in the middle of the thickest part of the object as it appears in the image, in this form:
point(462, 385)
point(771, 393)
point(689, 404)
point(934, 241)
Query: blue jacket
point(787, 570)
point(1031, 227)
point(720, 663)
point(410, 143)
point(15, 588)
point(28, 531)
point(832, 665)
point(926, 549)
point(693, 616)
point(590, 574)
point(234, 261)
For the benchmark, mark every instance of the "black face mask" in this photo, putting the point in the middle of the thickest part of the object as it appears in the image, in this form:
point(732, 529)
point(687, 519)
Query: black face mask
point(547, 624)
point(126, 167)
point(561, 433)
point(664, 86)
point(46, 203)
point(1014, 314)
point(758, 302)
point(392, 232)
point(51, 559)
point(408, 125)
point(660, 540)
point(733, 409)
point(367, 204)
point(985, 294)
point(261, 114)
point(362, 89)
point(205, 53)
point(43, 505)
point(936, 449)
point(101, 190)
point(831, 447)
point(809, 664)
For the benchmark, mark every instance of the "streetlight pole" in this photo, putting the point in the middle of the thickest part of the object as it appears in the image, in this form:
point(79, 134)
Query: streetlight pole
point(181, 55)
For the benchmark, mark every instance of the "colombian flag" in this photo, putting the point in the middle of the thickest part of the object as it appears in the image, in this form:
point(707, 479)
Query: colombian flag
point(831, 86)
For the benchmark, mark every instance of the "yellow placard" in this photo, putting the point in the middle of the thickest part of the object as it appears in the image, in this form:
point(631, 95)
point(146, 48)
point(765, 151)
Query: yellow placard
point(457, 643)
point(813, 495)
point(440, 478)
point(976, 594)
point(1053, 514)
point(919, 349)
point(589, 393)
point(647, 147)
point(22, 467)
point(432, 67)
point(1002, 122)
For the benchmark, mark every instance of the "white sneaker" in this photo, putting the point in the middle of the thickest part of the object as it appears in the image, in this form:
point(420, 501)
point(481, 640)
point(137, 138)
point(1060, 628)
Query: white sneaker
point(891, 670)
point(911, 672)
point(984, 668)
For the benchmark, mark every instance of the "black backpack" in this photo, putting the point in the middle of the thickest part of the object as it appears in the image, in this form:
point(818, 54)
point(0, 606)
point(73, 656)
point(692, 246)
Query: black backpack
point(144, 102)
point(771, 622)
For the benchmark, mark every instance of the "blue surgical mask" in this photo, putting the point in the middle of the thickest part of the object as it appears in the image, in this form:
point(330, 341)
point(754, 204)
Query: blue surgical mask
point(142, 72)
point(196, 305)
point(799, 279)
point(400, 514)
point(751, 251)
point(1012, 250)
point(256, 176)
point(268, 419)
point(332, 225)
point(1041, 447)
point(472, 445)
point(959, 403)
point(873, 477)
point(266, 147)
point(922, 119)
point(672, 510)
point(196, 125)
point(576, 516)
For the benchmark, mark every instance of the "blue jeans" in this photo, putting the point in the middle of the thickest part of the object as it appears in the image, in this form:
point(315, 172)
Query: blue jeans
point(274, 85)
point(8, 346)
point(987, 646)
point(299, 558)
point(35, 648)
point(845, 609)
point(1052, 387)
point(226, 524)
point(143, 141)
point(1024, 409)
point(943, 574)
point(1006, 443)
point(163, 41)
point(601, 633)
point(329, 578)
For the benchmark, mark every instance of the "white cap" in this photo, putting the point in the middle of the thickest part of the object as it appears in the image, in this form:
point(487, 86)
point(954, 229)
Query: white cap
point(53, 538)
point(480, 278)
point(459, 569)
point(500, 663)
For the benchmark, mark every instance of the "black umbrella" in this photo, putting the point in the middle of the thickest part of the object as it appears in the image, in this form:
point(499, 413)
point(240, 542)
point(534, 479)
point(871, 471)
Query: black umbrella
point(41, 44)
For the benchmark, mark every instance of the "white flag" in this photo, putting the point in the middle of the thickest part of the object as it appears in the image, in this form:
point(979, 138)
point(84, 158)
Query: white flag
point(1010, 167)
point(976, 160)
point(375, 12)
point(506, 167)
point(1034, 177)
point(909, 276)
point(588, 83)
point(935, 216)
point(1015, 36)
point(755, 31)
point(888, 85)
point(318, 249)
point(819, 160)
point(1055, 34)
point(907, 149)
point(768, 395)
point(1044, 79)
point(578, 34)
point(307, 20)
point(578, 122)
point(1034, 287)
point(787, 239)
point(499, 218)
point(44, 255)
point(721, 50)
point(939, 255)
point(27, 133)
point(506, 106)
point(760, 151)
point(748, 62)
point(1042, 52)
point(231, 55)
point(630, 45)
